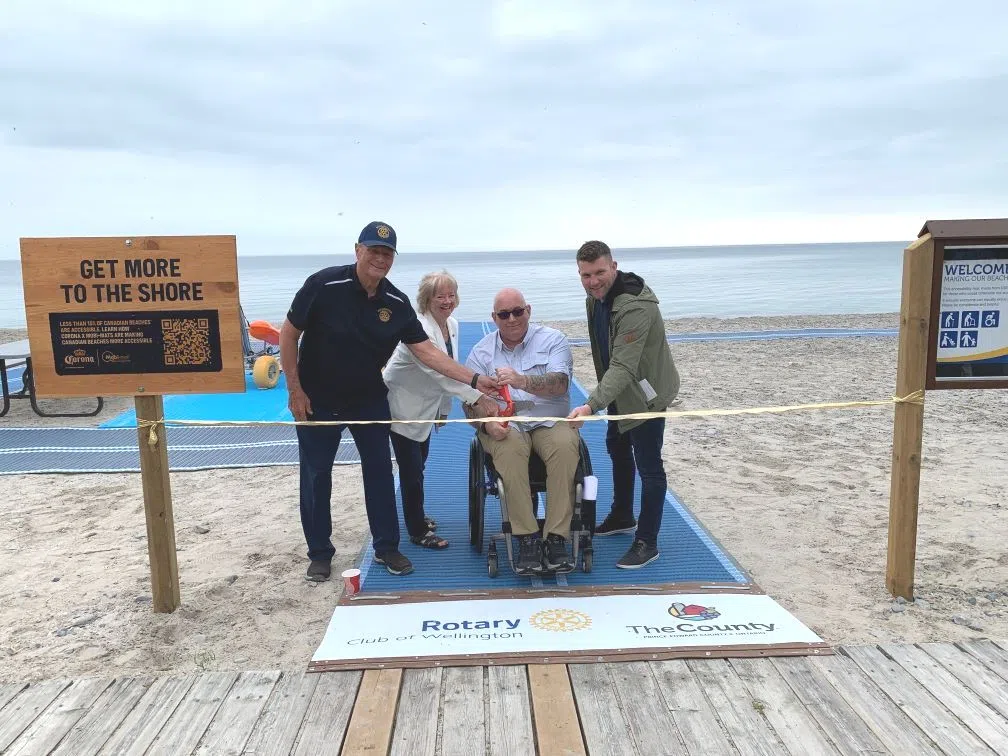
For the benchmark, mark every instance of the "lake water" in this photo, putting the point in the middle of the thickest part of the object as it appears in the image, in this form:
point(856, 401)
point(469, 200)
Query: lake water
point(792, 279)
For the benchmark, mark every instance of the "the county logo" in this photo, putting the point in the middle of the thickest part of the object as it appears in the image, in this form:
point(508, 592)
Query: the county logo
point(693, 612)
point(560, 620)
point(384, 314)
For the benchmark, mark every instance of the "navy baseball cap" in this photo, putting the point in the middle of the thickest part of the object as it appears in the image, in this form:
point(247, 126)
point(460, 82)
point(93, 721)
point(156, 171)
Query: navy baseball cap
point(378, 234)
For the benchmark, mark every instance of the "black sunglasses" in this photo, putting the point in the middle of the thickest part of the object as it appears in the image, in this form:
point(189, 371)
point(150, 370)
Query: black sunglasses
point(517, 312)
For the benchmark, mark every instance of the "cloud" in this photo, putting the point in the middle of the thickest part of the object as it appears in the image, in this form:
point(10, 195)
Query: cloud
point(504, 124)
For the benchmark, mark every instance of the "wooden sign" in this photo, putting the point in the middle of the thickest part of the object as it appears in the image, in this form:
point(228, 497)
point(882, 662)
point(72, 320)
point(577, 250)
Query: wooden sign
point(968, 335)
point(110, 316)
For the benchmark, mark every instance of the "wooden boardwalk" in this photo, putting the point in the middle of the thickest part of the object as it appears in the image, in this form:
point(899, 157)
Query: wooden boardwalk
point(902, 699)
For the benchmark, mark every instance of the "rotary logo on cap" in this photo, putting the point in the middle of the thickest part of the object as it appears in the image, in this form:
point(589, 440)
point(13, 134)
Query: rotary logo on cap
point(383, 232)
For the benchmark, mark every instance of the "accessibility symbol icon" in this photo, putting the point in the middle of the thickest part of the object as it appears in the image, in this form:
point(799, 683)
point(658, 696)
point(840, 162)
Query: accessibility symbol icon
point(971, 319)
point(950, 319)
point(990, 319)
point(948, 340)
point(967, 338)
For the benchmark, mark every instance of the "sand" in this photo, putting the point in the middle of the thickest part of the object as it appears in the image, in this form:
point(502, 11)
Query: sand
point(800, 500)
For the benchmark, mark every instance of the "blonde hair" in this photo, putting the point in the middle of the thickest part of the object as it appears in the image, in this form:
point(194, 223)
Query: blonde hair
point(429, 285)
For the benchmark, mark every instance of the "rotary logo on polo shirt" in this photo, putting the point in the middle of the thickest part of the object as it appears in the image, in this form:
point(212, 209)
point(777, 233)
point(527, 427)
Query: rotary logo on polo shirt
point(384, 314)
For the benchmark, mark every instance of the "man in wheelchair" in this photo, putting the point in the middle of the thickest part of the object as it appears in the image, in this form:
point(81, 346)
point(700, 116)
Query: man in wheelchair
point(536, 363)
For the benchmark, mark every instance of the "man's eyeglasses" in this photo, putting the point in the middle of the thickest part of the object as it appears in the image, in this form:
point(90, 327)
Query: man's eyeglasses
point(506, 314)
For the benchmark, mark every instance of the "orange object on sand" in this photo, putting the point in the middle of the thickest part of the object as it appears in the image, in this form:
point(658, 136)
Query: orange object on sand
point(264, 331)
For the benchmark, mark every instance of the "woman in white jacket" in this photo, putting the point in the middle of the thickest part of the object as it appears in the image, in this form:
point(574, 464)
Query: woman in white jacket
point(418, 393)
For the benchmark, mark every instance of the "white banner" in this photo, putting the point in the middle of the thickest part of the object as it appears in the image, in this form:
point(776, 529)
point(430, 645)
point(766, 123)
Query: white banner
point(557, 624)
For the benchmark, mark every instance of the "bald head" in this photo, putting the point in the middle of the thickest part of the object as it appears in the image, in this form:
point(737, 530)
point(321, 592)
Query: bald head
point(507, 299)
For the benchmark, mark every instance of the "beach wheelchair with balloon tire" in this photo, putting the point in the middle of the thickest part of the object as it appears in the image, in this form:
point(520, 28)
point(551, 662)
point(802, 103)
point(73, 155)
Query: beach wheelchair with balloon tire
point(484, 481)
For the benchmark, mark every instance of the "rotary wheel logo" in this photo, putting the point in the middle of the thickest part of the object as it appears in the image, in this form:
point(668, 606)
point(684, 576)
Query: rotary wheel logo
point(560, 620)
point(383, 232)
point(384, 314)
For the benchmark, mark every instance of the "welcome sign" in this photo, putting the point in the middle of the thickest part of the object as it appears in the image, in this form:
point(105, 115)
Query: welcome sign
point(614, 626)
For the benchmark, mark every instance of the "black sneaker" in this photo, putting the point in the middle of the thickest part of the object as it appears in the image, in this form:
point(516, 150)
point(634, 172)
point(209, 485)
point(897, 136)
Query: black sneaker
point(318, 571)
point(395, 562)
point(529, 555)
point(615, 523)
point(637, 556)
point(554, 554)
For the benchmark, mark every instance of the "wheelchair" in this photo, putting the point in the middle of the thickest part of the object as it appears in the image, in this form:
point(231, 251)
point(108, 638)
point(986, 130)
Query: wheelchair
point(485, 481)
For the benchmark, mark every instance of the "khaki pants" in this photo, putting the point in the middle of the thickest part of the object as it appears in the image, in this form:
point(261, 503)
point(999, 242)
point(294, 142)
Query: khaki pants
point(558, 448)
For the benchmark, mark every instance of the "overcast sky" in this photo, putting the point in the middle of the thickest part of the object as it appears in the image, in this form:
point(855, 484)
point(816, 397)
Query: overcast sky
point(477, 125)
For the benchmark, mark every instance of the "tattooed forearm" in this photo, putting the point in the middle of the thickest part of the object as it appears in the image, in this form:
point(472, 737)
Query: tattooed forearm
point(551, 384)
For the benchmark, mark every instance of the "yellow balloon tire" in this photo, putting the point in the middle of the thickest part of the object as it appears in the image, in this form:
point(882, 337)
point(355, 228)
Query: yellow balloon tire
point(266, 372)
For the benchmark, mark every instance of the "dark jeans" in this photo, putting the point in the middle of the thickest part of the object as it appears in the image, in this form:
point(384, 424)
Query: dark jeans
point(411, 456)
point(639, 450)
point(317, 447)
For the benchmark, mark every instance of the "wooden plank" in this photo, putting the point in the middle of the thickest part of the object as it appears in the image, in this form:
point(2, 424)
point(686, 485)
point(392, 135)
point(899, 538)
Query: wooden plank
point(987, 724)
point(696, 721)
point(24, 708)
point(924, 709)
point(416, 723)
point(557, 728)
point(602, 719)
point(971, 673)
point(328, 712)
point(279, 723)
point(797, 728)
point(463, 714)
point(186, 725)
point(147, 718)
point(102, 719)
point(52, 725)
point(837, 719)
point(158, 513)
point(370, 728)
point(738, 710)
point(233, 722)
point(8, 691)
point(992, 656)
point(650, 722)
point(509, 714)
point(908, 420)
point(890, 724)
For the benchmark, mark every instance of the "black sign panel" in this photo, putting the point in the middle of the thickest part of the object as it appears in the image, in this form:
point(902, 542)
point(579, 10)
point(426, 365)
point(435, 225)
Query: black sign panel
point(106, 343)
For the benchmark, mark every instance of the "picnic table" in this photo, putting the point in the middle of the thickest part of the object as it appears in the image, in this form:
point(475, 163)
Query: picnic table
point(15, 354)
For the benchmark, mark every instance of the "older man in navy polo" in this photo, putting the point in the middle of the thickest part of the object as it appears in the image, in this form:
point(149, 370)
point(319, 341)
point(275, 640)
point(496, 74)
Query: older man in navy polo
point(349, 319)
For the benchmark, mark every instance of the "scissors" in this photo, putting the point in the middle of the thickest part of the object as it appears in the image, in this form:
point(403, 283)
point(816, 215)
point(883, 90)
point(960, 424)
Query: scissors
point(511, 406)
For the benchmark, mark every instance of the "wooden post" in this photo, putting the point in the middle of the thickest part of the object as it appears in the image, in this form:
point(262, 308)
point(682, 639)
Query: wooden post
point(908, 425)
point(158, 505)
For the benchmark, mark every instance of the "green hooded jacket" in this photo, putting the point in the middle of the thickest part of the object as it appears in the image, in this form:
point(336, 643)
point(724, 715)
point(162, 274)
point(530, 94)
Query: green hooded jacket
point(638, 351)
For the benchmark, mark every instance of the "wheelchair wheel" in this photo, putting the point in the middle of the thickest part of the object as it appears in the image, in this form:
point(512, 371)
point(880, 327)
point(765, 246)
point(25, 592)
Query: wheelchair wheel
point(492, 563)
point(586, 560)
point(266, 372)
point(477, 496)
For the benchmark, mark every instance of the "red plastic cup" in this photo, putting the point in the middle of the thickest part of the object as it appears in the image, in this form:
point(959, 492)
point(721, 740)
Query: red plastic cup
point(351, 582)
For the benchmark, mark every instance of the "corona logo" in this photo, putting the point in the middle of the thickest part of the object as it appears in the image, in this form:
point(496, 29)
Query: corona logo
point(560, 620)
point(79, 357)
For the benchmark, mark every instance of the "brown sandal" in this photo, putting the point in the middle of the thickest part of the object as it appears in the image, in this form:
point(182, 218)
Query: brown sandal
point(429, 541)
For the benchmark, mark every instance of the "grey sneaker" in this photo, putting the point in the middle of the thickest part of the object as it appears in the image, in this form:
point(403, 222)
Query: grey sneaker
point(637, 556)
point(614, 523)
point(318, 571)
point(529, 560)
point(554, 554)
point(395, 562)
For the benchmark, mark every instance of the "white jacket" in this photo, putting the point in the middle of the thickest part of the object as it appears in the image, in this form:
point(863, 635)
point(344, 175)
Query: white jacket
point(417, 392)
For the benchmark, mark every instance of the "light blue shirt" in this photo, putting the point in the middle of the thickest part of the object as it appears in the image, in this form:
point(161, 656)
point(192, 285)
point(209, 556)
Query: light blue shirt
point(543, 350)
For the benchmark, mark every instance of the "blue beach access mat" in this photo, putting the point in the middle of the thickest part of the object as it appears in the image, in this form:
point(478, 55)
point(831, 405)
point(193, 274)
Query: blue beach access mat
point(688, 553)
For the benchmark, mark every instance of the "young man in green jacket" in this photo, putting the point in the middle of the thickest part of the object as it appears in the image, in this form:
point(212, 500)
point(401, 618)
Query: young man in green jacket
point(635, 373)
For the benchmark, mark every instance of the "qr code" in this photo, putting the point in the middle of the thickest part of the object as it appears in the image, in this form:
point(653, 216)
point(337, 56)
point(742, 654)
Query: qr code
point(186, 341)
